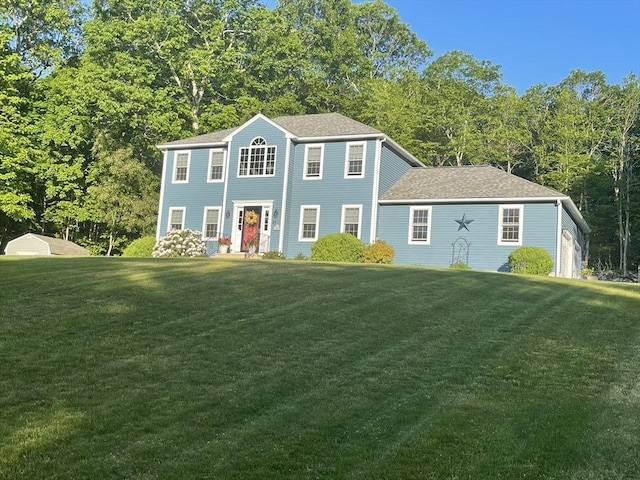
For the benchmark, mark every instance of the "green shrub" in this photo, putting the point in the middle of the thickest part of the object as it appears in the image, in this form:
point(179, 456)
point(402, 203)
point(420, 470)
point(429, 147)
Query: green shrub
point(378, 252)
point(180, 243)
point(273, 255)
point(300, 256)
point(141, 247)
point(531, 261)
point(460, 266)
point(337, 247)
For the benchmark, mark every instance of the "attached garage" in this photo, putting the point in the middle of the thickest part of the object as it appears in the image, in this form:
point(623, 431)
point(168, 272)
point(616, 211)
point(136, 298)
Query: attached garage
point(33, 244)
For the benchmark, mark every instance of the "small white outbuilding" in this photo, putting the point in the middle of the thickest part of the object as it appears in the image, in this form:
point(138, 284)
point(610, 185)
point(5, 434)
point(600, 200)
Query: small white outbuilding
point(34, 244)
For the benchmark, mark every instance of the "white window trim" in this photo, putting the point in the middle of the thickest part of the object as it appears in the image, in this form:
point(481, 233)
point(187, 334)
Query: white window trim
point(184, 215)
point(224, 166)
point(344, 208)
point(501, 209)
point(429, 225)
point(175, 166)
point(301, 226)
point(266, 146)
point(306, 158)
point(346, 159)
point(204, 221)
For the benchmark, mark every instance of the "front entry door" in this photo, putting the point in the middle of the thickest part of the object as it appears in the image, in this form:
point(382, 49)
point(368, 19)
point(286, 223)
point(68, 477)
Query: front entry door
point(251, 228)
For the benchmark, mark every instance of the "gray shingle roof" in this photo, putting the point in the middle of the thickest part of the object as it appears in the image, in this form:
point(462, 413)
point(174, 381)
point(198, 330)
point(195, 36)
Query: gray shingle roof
point(324, 125)
point(315, 125)
point(469, 182)
point(62, 247)
point(213, 137)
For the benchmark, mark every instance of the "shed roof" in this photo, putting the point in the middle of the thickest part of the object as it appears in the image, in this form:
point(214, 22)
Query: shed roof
point(57, 246)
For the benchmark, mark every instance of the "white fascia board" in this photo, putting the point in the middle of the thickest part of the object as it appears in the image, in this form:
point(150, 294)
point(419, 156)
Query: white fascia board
point(250, 203)
point(427, 201)
point(259, 116)
point(285, 192)
point(403, 152)
point(191, 145)
point(162, 187)
point(26, 235)
point(575, 213)
point(336, 138)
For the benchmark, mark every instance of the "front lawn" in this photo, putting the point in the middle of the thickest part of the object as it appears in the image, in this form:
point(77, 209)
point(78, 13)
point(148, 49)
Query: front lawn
point(255, 369)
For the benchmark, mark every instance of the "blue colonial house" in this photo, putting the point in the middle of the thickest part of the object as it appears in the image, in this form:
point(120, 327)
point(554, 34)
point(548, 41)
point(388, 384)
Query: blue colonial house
point(280, 184)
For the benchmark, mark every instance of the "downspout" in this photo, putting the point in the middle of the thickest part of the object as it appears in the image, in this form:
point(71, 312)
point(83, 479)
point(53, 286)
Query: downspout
point(162, 185)
point(285, 190)
point(558, 237)
point(376, 188)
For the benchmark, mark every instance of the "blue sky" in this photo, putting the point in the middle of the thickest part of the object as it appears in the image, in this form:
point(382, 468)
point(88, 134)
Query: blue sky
point(534, 41)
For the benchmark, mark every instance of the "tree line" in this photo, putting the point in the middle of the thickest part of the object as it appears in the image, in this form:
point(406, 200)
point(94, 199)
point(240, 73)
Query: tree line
point(86, 92)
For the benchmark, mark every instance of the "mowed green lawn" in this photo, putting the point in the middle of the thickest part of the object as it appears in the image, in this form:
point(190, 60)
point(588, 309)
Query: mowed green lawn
point(254, 369)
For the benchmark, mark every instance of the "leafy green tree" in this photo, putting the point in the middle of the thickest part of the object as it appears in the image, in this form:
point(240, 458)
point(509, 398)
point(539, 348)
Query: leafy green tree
point(390, 46)
point(190, 52)
point(16, 146)
point(332, 63)
point(44, 32)
point(624, 152)
point(506, 134)
point(66, 127)
point(274, 80)
point(122, 195)
point(401, 109)
point(458, 86)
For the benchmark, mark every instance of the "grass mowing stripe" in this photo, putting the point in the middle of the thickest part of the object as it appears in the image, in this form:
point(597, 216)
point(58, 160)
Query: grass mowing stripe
point(255, 369)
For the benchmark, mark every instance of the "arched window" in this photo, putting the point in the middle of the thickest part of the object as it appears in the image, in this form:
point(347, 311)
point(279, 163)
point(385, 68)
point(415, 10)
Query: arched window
point(257, 160)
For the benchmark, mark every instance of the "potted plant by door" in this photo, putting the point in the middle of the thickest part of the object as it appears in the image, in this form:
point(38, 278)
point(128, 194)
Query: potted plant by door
point(223, 244)
point(252, 246)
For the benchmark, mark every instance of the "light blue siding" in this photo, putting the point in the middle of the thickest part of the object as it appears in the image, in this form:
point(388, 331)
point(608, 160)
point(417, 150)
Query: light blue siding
point(245, 189)
point(484, 253)
point(392, 168)
point(193, 195)
point(332, 192)
point(569, 224)
point(197, 193)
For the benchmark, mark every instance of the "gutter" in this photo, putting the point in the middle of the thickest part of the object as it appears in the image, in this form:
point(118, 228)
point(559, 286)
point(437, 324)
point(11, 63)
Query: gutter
point(169, 146)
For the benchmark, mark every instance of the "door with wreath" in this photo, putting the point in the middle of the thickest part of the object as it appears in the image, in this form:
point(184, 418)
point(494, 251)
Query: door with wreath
point(251, 229)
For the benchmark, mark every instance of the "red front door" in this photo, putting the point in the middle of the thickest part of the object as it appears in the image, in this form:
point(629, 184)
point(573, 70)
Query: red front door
point(251, 228)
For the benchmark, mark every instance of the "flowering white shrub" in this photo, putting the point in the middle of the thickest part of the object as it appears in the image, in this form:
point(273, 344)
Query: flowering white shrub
point(180, 243)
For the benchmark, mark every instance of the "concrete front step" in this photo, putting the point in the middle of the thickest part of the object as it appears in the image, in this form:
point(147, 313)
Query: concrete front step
point(234, 255)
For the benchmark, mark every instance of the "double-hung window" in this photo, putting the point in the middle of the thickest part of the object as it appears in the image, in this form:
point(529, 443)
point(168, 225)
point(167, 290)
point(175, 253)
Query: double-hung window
point(176, 218)
point(420, 225)
point(211, 222)
point(313, 157)
point(309, 215)
point(510, 225)
point(354, 160)
point(258, 160)
point(181, 167)
point(216, 166)
point(352, 219)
